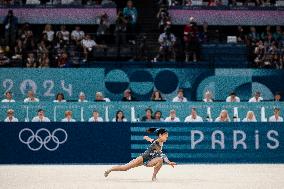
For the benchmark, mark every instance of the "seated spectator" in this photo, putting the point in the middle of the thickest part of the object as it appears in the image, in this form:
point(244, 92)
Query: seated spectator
point(59, 98)
point(172, 117)
point(158, 116)
point(49, 32)
point(18, 51)
point(4, 60)
point(193, 117)
point(180, 97)
point(68, 117)
point(191, 40)
point(253, 36)
point(9, 97)
point(82, 97)
point(31, 97)
point(88, 45)
point(148, 116)
point(63, 60)
point(127, 96)
point(233, 98)
point(250, 117)
point(119, 117)
point(65, 34)
point(277, 97)
point(31, 61)
point(208, 97)
point(44, 61)
point(10, 116)
point(256, 98)
point(96, 117)
point(40, 117)
point(223, 117)
point(276, 117)
point(77, 35)
point(157, 96)
point(167, 42)
point(100, 97)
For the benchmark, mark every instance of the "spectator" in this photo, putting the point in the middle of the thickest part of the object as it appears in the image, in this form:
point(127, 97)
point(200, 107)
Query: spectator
point(18, 51)
point(208, 97)
point(103, 28)
point(11, 25)
point(127, 96)
point(164, 18)
point(4, 60)
point(96, 117)
point(158, 116)
point(130, 14)
point(65, 34)
point(223, 117)
point(100, 97)
point(276, 117)
point(82, 97)
point(59, 98)
point(9, 97)
point(49, 32)
point(88, 45)
point(180, 97)
point(63, 60)
point(31, 62)
point(256, 98)
point(120, 32)
point(148, 116)
point(191, 40)
point(233, 98)
point(172, 117)
point(250, 117)
point(10, 116)
point(119, 117)
point(193, 117)
point(77, 36)
point(68, 117)
point(44, 61)
point(31, 97)
point(167, 42)
point(40, 117)
point(157, 96)
point(277, 97)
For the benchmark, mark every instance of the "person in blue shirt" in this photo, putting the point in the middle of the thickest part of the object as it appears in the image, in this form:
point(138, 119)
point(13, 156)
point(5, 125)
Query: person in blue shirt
point(130, 14)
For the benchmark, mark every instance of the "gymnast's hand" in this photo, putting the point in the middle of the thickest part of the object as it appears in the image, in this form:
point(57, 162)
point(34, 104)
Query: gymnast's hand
point(172, 164)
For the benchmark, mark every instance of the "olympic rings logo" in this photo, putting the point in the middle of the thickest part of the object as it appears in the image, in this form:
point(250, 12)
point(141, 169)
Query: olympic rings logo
point(42, 141)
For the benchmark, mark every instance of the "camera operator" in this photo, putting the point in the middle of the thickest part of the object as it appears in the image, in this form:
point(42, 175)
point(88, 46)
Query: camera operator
point(191, 40)
point(167, 41)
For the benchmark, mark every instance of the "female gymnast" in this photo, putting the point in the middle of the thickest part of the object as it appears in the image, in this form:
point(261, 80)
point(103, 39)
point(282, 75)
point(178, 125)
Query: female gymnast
point(152, 157)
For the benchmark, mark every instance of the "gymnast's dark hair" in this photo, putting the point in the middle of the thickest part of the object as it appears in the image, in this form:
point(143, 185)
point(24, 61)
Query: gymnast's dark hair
point(157, 131)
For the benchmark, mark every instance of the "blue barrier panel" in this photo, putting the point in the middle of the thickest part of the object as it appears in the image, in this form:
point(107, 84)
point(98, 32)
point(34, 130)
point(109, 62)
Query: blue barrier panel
point(57, 143)
point(217, 142)
point(62, 143)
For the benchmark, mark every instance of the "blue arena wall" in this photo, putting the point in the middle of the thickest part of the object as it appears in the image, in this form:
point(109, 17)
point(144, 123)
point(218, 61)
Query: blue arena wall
point(87, 143)
point(112, 82)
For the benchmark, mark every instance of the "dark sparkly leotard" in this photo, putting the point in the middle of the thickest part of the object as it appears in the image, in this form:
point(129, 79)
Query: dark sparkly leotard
point(153, 151)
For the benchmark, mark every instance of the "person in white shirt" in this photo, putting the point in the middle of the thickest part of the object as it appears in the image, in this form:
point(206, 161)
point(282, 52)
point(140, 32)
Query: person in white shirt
point(31, 97)
point(223, 117)
point(250, 117)
point(40, 117)
point(119, 117)
point(233, 98)
point(208, 97)
point(88, 45)
point(276, 117)
point(9, 97)
point(96, 117)
point(193, 117)
point(10, 116)
point(77, 35)
point(59, 98)
point(100, 97)
point(68, 117)
point(180, 97)
point(172, 117)
point(82, 97)
point(64, 33)
point(256, 98)
point(49, 32)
